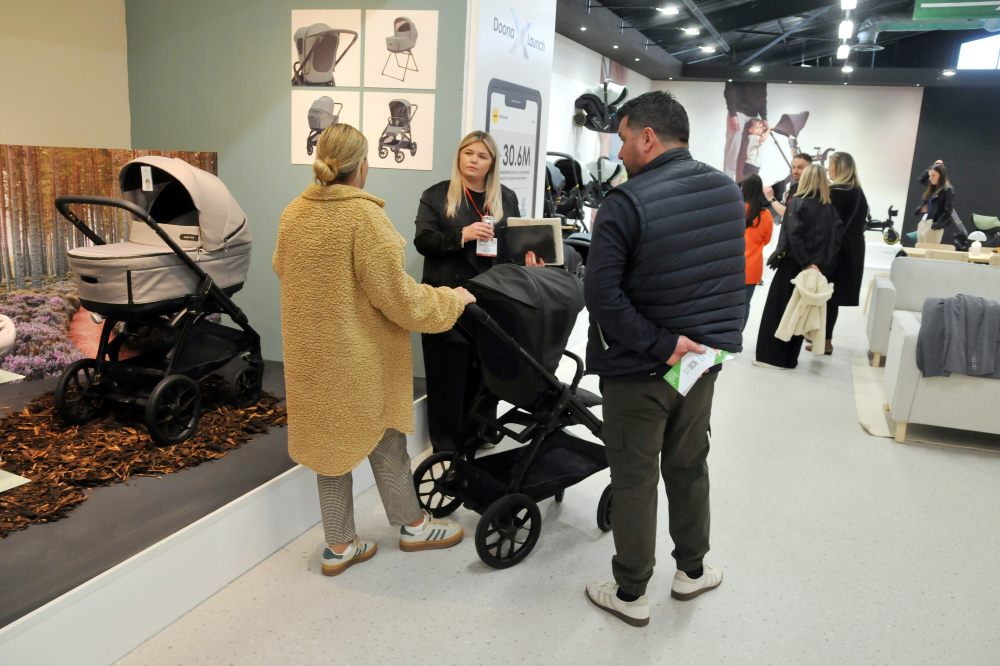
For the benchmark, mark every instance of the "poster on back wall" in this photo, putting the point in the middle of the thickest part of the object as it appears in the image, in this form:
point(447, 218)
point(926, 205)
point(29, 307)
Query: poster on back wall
point(757, 129)
point(510, 61)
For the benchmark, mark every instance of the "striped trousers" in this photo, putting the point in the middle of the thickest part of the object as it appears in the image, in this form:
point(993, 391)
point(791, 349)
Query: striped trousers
point(391, 465)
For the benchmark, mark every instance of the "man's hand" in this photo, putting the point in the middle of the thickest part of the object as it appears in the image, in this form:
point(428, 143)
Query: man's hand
point(684, 345)
point(734, 123)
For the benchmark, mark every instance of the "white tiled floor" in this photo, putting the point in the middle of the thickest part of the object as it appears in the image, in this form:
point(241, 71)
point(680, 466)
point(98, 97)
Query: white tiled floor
point(837, 547)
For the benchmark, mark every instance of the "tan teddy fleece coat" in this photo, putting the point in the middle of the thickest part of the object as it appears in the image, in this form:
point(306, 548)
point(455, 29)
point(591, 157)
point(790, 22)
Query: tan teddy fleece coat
point(347, 305)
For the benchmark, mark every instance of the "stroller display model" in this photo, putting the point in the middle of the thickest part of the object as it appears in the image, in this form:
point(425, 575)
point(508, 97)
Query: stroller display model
point(397, 135)
point(403, 40)
point(564, 193)
point(519, 328)
point(188, 252)
point(889, 233)
point(317, 47)
point(323, 113)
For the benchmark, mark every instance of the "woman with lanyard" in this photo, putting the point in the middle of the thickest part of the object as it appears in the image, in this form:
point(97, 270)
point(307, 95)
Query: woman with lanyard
point(456, 226)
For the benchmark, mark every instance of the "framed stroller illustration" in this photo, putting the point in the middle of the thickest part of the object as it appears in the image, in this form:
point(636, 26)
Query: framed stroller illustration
point(401, 48)
point(399, 127)
point(314, 110)
point(325, 49)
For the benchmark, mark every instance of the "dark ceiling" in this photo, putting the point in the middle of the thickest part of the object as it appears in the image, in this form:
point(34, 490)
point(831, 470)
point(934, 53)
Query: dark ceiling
point(775, 34)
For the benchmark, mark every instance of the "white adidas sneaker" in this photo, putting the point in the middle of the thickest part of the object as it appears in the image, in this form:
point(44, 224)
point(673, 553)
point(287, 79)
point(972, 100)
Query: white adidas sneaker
point(434, 533)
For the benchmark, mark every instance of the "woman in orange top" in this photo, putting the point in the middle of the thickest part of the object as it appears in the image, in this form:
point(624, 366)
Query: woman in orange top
point(760, 224)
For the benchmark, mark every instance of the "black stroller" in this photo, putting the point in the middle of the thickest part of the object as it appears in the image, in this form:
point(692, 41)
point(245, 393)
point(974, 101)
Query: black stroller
point(397, 135)
point(519, 328)
point(323, 113)
point(188, 252)
point(317, 46)
point(403, 39)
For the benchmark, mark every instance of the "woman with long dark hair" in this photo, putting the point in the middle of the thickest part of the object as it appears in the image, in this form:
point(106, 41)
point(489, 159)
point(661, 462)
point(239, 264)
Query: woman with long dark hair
point(939, 200)
point(810, 239)
point(760, 225)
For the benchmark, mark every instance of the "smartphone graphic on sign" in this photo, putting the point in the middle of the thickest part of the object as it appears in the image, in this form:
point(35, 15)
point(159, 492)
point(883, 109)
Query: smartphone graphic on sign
point(513, 116)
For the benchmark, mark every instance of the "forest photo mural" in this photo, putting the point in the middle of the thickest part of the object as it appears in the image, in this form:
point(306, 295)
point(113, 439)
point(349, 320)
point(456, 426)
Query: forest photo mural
point(42, 326)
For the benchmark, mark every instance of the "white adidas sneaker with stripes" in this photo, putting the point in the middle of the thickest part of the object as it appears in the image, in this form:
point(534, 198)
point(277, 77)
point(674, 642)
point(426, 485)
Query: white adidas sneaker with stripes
point(432, 534)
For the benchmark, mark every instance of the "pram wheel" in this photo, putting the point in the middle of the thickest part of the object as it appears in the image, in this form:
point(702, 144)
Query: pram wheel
point(400, 156)
point(508, 531)
point(604, 510)
point(75, 400)
point(173, 410)
point(434, 480)
point(383, 152)
point(413, 149)
point(247, 387)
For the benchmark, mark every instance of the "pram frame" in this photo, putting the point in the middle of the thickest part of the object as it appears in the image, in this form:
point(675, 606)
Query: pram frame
point(173, 380)
point(539, 435)
point(402, 142)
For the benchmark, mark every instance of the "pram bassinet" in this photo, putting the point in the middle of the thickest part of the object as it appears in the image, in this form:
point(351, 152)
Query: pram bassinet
point(143, 275)
point(403, 39)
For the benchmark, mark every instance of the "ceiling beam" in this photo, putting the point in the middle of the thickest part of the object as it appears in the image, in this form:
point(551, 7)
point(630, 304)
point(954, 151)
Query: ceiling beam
point(705, 23)
point(801, 25)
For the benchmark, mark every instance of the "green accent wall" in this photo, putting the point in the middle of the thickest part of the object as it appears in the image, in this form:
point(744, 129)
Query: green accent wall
point(216, 75)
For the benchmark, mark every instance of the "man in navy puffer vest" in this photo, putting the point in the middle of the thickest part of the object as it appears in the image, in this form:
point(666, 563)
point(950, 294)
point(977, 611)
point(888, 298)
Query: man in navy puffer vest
point(665, 276)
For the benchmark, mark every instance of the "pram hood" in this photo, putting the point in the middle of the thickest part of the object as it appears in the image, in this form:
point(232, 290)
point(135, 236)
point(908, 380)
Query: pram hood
point(538, 308)
point(322, 113)
point(185, 196)
point(403, 26)
point(400, 109)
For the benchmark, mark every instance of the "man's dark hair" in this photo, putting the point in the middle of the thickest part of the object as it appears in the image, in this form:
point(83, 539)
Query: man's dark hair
point(659, 111)
point(803, 156)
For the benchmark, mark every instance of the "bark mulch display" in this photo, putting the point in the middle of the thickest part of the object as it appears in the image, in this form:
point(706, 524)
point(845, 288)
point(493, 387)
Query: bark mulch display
point(64, 462)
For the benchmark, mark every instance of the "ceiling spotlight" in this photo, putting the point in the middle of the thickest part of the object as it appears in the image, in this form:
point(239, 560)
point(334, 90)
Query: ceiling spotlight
point(843, 51)
point(691, 31)
point(669, 10)
point(729, 80)
point(845, 83)
point(948, 72)
point(918, 85)
point(789, 81)
point(846, 30)
point(707, 48)
point(583, 28)
point(754, 69)
point(637, 60)
point(848, 5)
point(615, 46)
point(847, 69)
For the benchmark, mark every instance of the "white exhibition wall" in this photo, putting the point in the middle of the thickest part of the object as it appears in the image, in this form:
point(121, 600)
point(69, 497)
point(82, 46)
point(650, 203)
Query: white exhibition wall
point(877, 125)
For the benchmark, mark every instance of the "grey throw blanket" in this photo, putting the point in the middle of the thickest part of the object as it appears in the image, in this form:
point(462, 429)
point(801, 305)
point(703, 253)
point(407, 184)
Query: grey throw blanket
point(959, 334)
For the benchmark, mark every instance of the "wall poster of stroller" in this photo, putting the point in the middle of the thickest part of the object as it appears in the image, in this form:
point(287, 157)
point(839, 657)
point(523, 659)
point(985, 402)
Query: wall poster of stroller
point(399, 127)
point(401, 49)
point(313, 110)
point(325, 48)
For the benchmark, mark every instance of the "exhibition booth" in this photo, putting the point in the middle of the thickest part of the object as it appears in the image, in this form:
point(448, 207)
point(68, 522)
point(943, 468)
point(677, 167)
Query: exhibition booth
point(219, 134)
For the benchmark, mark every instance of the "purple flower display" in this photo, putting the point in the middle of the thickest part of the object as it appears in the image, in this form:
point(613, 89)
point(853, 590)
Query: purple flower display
point(43, 347)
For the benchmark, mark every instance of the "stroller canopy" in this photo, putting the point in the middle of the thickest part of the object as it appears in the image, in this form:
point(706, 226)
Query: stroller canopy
point(404, 37)
point(400, 109)
point(182, 195)
point(323, 113)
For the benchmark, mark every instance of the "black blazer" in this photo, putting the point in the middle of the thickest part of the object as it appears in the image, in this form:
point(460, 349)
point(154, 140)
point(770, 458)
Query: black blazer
point(447, 263)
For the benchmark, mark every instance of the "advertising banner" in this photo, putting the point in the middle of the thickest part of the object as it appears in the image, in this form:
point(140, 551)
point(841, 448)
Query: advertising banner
point(510, 67)
point(956, 9)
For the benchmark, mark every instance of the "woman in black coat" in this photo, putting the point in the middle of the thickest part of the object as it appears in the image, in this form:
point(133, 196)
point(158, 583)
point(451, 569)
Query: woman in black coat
point(849, 201)
point(810, 238)
point(938, 204)
point(449, 224)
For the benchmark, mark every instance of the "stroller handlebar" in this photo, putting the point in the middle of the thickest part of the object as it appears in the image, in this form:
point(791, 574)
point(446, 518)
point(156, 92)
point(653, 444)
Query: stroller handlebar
point(64, 202)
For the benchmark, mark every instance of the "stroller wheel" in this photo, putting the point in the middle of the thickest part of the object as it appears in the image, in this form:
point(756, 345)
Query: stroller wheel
point(77, 398)
point(383, 152)
point(247, 386)
point(508, 531)
point(604, 510)
point(400, 156)
point(435, 480)
point(173, 409)
point(413, 149)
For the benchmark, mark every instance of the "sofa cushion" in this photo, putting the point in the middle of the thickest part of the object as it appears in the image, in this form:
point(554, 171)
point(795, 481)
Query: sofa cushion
point(916, 280)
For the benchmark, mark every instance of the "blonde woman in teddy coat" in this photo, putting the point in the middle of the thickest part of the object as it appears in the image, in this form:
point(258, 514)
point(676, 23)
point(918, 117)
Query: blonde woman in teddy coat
point(347, 307)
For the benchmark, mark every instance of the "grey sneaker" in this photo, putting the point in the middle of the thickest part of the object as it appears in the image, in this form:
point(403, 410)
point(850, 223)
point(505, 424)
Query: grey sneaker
point(433, 534)
point(359, 551)
point(605, 597)
point(685, 588)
